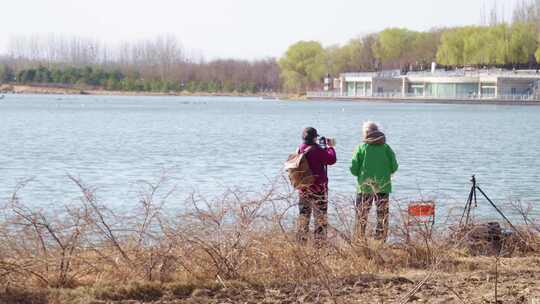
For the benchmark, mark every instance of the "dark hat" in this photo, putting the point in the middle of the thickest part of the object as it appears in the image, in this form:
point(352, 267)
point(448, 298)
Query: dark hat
point(309, 135)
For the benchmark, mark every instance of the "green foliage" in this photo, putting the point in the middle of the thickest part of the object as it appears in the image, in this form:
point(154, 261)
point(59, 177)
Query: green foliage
point(397, 47)
point(424, 47)
point(6, 73)
point(363, 56)
point(488, 45)
point(499, 44)
point(26, 76)
point(337, 59)
point(228, 87)
point(537, 53)
point(392, 47)
point(306, 62)
point(450, 51)
point(69, 75)
point(394, 44)
point(117, 81)
point(523, 42)
point(303, 65)
point(42, 75)
point(482, 46)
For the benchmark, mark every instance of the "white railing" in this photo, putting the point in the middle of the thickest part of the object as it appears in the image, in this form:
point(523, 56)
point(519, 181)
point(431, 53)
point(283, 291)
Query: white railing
point(325, 94)
point(379, 74)
point(443, 73)
point(395, 95)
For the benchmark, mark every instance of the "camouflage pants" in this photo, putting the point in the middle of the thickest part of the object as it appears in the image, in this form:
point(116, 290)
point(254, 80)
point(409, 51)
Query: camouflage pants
point(316, 203)
point(363, 205)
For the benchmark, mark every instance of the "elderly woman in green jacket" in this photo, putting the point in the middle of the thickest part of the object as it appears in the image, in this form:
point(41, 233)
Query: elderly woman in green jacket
point(373, 164)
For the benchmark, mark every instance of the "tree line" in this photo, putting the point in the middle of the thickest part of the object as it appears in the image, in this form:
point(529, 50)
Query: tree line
point(158, 65)
point(495, 44)
point(163, 65)
point(226, 76)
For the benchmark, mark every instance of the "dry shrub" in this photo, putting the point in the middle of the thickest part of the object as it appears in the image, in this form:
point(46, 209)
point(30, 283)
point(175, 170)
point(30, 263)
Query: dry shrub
point(208, 244)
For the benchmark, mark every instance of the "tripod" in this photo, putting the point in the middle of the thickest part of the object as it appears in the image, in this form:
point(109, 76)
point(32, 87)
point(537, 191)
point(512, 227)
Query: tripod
point(472, 198)
point(468, 205)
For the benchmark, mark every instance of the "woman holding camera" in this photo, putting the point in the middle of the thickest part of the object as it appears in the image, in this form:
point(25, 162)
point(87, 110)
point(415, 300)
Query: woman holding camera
point(314, 199)
point(373, 164)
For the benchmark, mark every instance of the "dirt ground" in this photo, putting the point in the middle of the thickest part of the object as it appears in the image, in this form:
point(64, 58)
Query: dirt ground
point(518, 281)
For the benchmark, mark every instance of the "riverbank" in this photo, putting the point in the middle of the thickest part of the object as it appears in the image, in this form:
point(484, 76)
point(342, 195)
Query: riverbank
point(516, 281)
point(237, 249)
point(86, 90)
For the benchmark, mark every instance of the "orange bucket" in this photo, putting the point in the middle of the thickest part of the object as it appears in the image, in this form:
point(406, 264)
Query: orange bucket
point(421, 209)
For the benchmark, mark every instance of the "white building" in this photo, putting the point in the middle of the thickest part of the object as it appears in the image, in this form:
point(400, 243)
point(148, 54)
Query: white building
point(441, 84)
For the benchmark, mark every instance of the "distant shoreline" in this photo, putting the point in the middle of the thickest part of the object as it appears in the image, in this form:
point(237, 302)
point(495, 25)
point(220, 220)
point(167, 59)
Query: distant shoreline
point(71, 90)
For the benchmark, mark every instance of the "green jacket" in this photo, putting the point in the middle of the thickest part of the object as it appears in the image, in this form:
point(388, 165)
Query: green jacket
point(373, 165)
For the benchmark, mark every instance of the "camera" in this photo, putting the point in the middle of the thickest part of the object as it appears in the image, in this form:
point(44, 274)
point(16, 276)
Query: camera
point(323, 142)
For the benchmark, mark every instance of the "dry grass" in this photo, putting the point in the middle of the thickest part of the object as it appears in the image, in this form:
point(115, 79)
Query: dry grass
point(87, 253)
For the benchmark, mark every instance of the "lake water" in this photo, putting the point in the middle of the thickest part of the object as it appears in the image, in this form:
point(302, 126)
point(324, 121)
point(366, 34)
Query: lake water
point(211, 143)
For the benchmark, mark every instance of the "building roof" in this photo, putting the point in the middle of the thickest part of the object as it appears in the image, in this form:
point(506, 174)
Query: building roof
point(445, 76)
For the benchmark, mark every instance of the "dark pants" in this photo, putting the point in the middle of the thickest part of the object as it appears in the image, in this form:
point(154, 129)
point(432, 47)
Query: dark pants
point(316, 203)
point(363, 205)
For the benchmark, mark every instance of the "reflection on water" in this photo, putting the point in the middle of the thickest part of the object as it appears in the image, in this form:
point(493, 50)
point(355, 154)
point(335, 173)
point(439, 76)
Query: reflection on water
point(211, 143)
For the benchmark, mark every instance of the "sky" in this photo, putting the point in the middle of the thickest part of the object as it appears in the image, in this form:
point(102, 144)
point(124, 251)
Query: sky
point(249, 29)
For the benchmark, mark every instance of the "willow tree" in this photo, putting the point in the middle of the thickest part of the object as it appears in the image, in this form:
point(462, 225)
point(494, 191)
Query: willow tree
point(485, 45)
point(498, 44)
point(451, 49)
point(337, 59)
point(303, 66)
point(537, 53)
point(424, 47)
point(393, 45)
point(522, 42)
